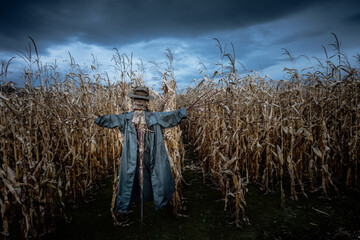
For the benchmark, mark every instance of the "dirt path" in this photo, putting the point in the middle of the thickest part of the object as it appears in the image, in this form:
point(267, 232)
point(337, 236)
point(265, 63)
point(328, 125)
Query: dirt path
point(310, 218)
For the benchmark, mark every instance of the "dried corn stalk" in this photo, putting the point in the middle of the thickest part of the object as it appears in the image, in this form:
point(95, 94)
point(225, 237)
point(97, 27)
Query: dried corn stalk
point(256, 129)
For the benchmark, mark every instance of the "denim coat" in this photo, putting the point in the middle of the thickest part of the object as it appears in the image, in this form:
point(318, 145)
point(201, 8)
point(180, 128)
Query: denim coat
point(158, 179)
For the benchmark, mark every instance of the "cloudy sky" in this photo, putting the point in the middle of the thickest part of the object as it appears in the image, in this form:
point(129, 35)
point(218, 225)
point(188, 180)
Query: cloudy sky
point(258, 29)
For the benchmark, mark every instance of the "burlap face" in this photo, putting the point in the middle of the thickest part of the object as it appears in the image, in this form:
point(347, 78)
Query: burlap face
point(140, 104)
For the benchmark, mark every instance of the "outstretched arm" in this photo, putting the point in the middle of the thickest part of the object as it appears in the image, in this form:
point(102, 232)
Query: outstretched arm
point(170, 119)
point(110, 121)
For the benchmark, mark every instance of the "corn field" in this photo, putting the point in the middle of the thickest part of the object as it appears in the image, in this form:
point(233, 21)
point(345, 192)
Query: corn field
point(52, 153)
point(302, 133)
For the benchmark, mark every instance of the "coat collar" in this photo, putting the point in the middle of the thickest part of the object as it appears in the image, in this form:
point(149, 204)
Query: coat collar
point(149, 117)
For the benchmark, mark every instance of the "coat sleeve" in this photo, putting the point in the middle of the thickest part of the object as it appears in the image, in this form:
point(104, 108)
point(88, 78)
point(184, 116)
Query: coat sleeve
point(170, 119)
point(111, 121)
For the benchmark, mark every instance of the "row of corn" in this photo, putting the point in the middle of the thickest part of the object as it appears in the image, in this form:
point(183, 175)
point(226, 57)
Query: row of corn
point(299, 135)
point(51, 152)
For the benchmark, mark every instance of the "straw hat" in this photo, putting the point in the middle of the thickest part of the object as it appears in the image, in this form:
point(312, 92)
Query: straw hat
point(141, 92)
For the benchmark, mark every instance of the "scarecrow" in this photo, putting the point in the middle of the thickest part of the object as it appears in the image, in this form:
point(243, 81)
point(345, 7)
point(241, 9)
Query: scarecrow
point(145, 172)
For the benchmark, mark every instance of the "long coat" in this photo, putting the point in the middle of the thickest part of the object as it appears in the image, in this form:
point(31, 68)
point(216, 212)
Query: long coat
point(158, 179)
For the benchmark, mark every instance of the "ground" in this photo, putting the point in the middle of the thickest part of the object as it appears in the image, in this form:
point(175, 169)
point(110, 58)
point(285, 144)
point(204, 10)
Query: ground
point(307, 218)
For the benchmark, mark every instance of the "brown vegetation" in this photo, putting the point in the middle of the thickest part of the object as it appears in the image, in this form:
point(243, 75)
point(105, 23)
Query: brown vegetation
point(304, 131)
point(52, 153)
point(246, 128)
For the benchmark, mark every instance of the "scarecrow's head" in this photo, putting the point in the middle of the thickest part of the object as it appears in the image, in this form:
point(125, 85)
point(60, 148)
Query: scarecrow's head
point(140, 98)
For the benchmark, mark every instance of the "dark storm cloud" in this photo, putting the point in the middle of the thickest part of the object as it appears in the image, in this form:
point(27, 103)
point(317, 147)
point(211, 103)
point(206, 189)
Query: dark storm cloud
point(110, 22)
point(355, 18)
